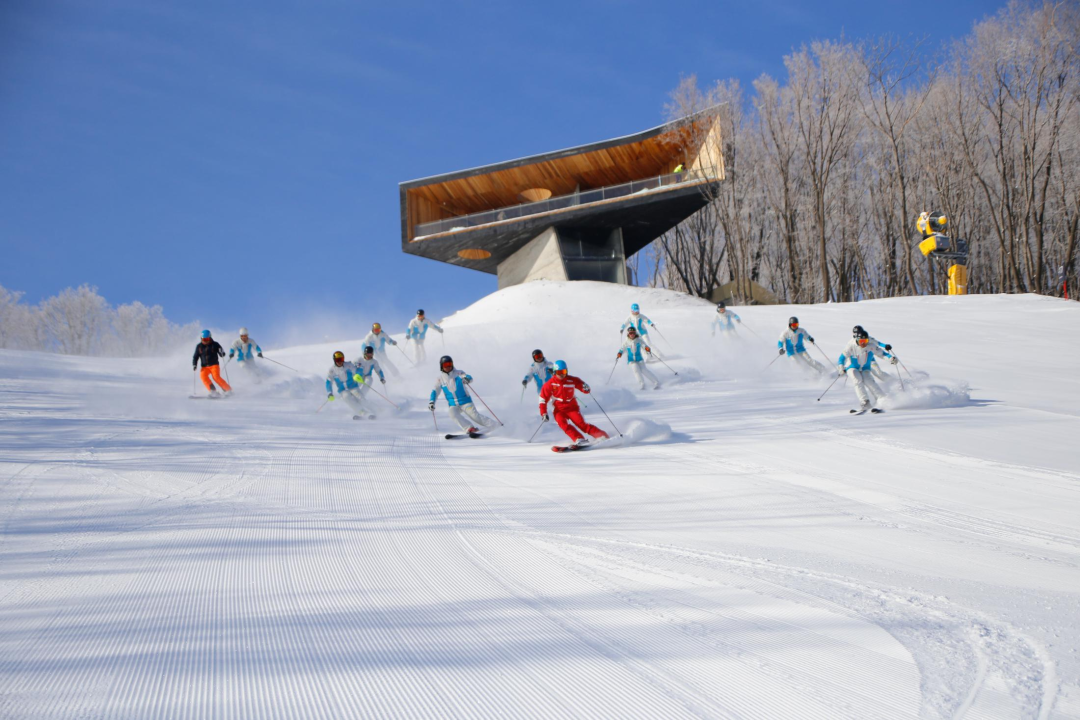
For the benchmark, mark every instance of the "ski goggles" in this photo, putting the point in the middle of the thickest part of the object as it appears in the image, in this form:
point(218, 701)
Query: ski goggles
point(538, 357)
point(339, 358)
point(376, 327)
point(447, 366)
point(863, 342)
point(206, 340)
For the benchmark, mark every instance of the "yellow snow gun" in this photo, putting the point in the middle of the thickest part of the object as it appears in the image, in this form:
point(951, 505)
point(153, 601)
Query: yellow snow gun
point(937, 245)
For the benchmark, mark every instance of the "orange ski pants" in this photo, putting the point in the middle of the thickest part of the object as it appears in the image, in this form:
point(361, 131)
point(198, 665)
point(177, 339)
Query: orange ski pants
point(215, 371)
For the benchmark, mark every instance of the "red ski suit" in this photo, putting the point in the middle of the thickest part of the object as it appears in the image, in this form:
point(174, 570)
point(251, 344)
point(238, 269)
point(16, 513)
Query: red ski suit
point(560, 391)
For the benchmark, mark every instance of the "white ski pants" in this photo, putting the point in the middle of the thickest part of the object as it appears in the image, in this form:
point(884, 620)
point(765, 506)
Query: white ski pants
point(251, 368)
point(805, 359)
point(385, 362)
point(866, 389)
point(641, 372)
point(421, 356)
point(467, 416)
point(354, 398)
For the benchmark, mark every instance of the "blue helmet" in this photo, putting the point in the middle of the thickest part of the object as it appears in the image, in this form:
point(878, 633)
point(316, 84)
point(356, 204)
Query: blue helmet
point(560, 366)
point(205, 333)
point(634, 308)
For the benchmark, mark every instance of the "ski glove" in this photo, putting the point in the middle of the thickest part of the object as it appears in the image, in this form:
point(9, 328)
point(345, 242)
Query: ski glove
point(894, 360)
point(358, 378)
point(467, 380)
point(545, 417)
point(618, 356)
point(260, 354)
point(431, 406)
point(194, 368)
point(782, 351)
point(810, 339)
point(840, 368)
point(382, 380)
point(330, 397)
point(525, 382)
point(888, 347)
point(230, 354)
point(585, 387)
point(648, 349)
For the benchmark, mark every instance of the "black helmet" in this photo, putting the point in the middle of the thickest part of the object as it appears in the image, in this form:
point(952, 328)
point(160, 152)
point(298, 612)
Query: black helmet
point(339, 358)
point(420, 311)
point(631, 329)
point(792, 321)
point(369, 350)
point(536, 352)
point(444, 361)
point(856, 330)
point(861, 334)
point(719, 306)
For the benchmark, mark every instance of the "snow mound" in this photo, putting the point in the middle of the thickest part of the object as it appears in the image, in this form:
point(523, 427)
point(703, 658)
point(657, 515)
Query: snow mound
point(644, 431)
point(929, 396)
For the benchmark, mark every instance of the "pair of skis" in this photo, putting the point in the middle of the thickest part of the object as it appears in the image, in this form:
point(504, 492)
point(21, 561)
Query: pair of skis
point(473, 435)
point(875, 411)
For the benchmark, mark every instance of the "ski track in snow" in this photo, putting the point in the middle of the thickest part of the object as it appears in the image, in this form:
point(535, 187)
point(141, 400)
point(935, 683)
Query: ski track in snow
point(743, 552)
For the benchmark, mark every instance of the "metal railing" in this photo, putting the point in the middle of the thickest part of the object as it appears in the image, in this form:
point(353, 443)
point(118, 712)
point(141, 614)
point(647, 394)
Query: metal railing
point(558, 203)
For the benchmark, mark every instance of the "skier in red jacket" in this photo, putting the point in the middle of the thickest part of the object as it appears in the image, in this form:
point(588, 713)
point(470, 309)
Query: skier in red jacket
point(560, 390)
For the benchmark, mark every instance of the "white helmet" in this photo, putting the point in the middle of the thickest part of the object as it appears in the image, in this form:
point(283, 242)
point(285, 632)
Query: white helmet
point(243, 331)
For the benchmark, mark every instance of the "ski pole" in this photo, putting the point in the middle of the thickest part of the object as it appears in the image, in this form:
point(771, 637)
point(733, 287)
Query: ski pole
point(486, 405)
point(522, 395)
point(383, 396)
point(434, 420)
point(899, 377)
point(612, 373)
point(665, 364)
point(663, 336)
point(822, 353)
point(751, 331)
point(281, 364)
point(194, 387)
point(830, 386)
point(607, 416)
point(770, 364)
point(226, 368)
point(906, 370)
point(405, 353)
point(323, 405)
point(536, 430)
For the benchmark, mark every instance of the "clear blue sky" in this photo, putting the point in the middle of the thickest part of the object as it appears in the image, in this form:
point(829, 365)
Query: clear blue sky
point(237, 162)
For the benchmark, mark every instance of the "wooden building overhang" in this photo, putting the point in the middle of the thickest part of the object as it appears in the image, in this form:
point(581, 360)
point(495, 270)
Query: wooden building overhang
point(694, 144)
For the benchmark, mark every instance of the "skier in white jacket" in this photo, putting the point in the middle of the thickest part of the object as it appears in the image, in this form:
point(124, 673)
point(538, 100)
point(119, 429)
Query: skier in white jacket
point(451, 383)
point(345, 377)
point(856, 360)
point(876, 369)
point(367, 367)
point(246, 350)
point(633, 347)
point(417, 331)
point(724, 320)
point(791, 344)
point(379, 340)
point(540, 371)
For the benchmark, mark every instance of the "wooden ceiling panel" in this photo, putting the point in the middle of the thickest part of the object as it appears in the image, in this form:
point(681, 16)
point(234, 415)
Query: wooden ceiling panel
point(656, 153)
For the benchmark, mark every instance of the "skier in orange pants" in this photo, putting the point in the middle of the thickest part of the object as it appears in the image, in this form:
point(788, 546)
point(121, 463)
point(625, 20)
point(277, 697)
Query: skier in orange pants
point(208, 351)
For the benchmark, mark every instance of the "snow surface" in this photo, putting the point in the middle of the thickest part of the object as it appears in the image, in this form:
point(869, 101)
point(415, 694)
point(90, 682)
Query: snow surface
point(744, 551)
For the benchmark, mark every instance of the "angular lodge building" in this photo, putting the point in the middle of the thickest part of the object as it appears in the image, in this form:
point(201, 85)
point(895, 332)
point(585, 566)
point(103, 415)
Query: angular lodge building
point(574, 214)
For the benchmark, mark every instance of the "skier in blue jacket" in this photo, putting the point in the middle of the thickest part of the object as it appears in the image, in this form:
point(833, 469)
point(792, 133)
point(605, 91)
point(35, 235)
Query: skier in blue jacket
point(791, 344)
point(417, 331)
point(724, 320)
point(452, 383)
point(857, 360)
point(540, 371)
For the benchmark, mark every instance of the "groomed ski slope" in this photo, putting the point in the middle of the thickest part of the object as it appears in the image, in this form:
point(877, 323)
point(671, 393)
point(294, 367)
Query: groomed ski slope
point(744, 552)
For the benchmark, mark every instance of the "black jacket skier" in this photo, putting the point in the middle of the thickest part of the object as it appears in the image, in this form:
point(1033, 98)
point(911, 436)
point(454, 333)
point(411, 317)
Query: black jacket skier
point(207, 353)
